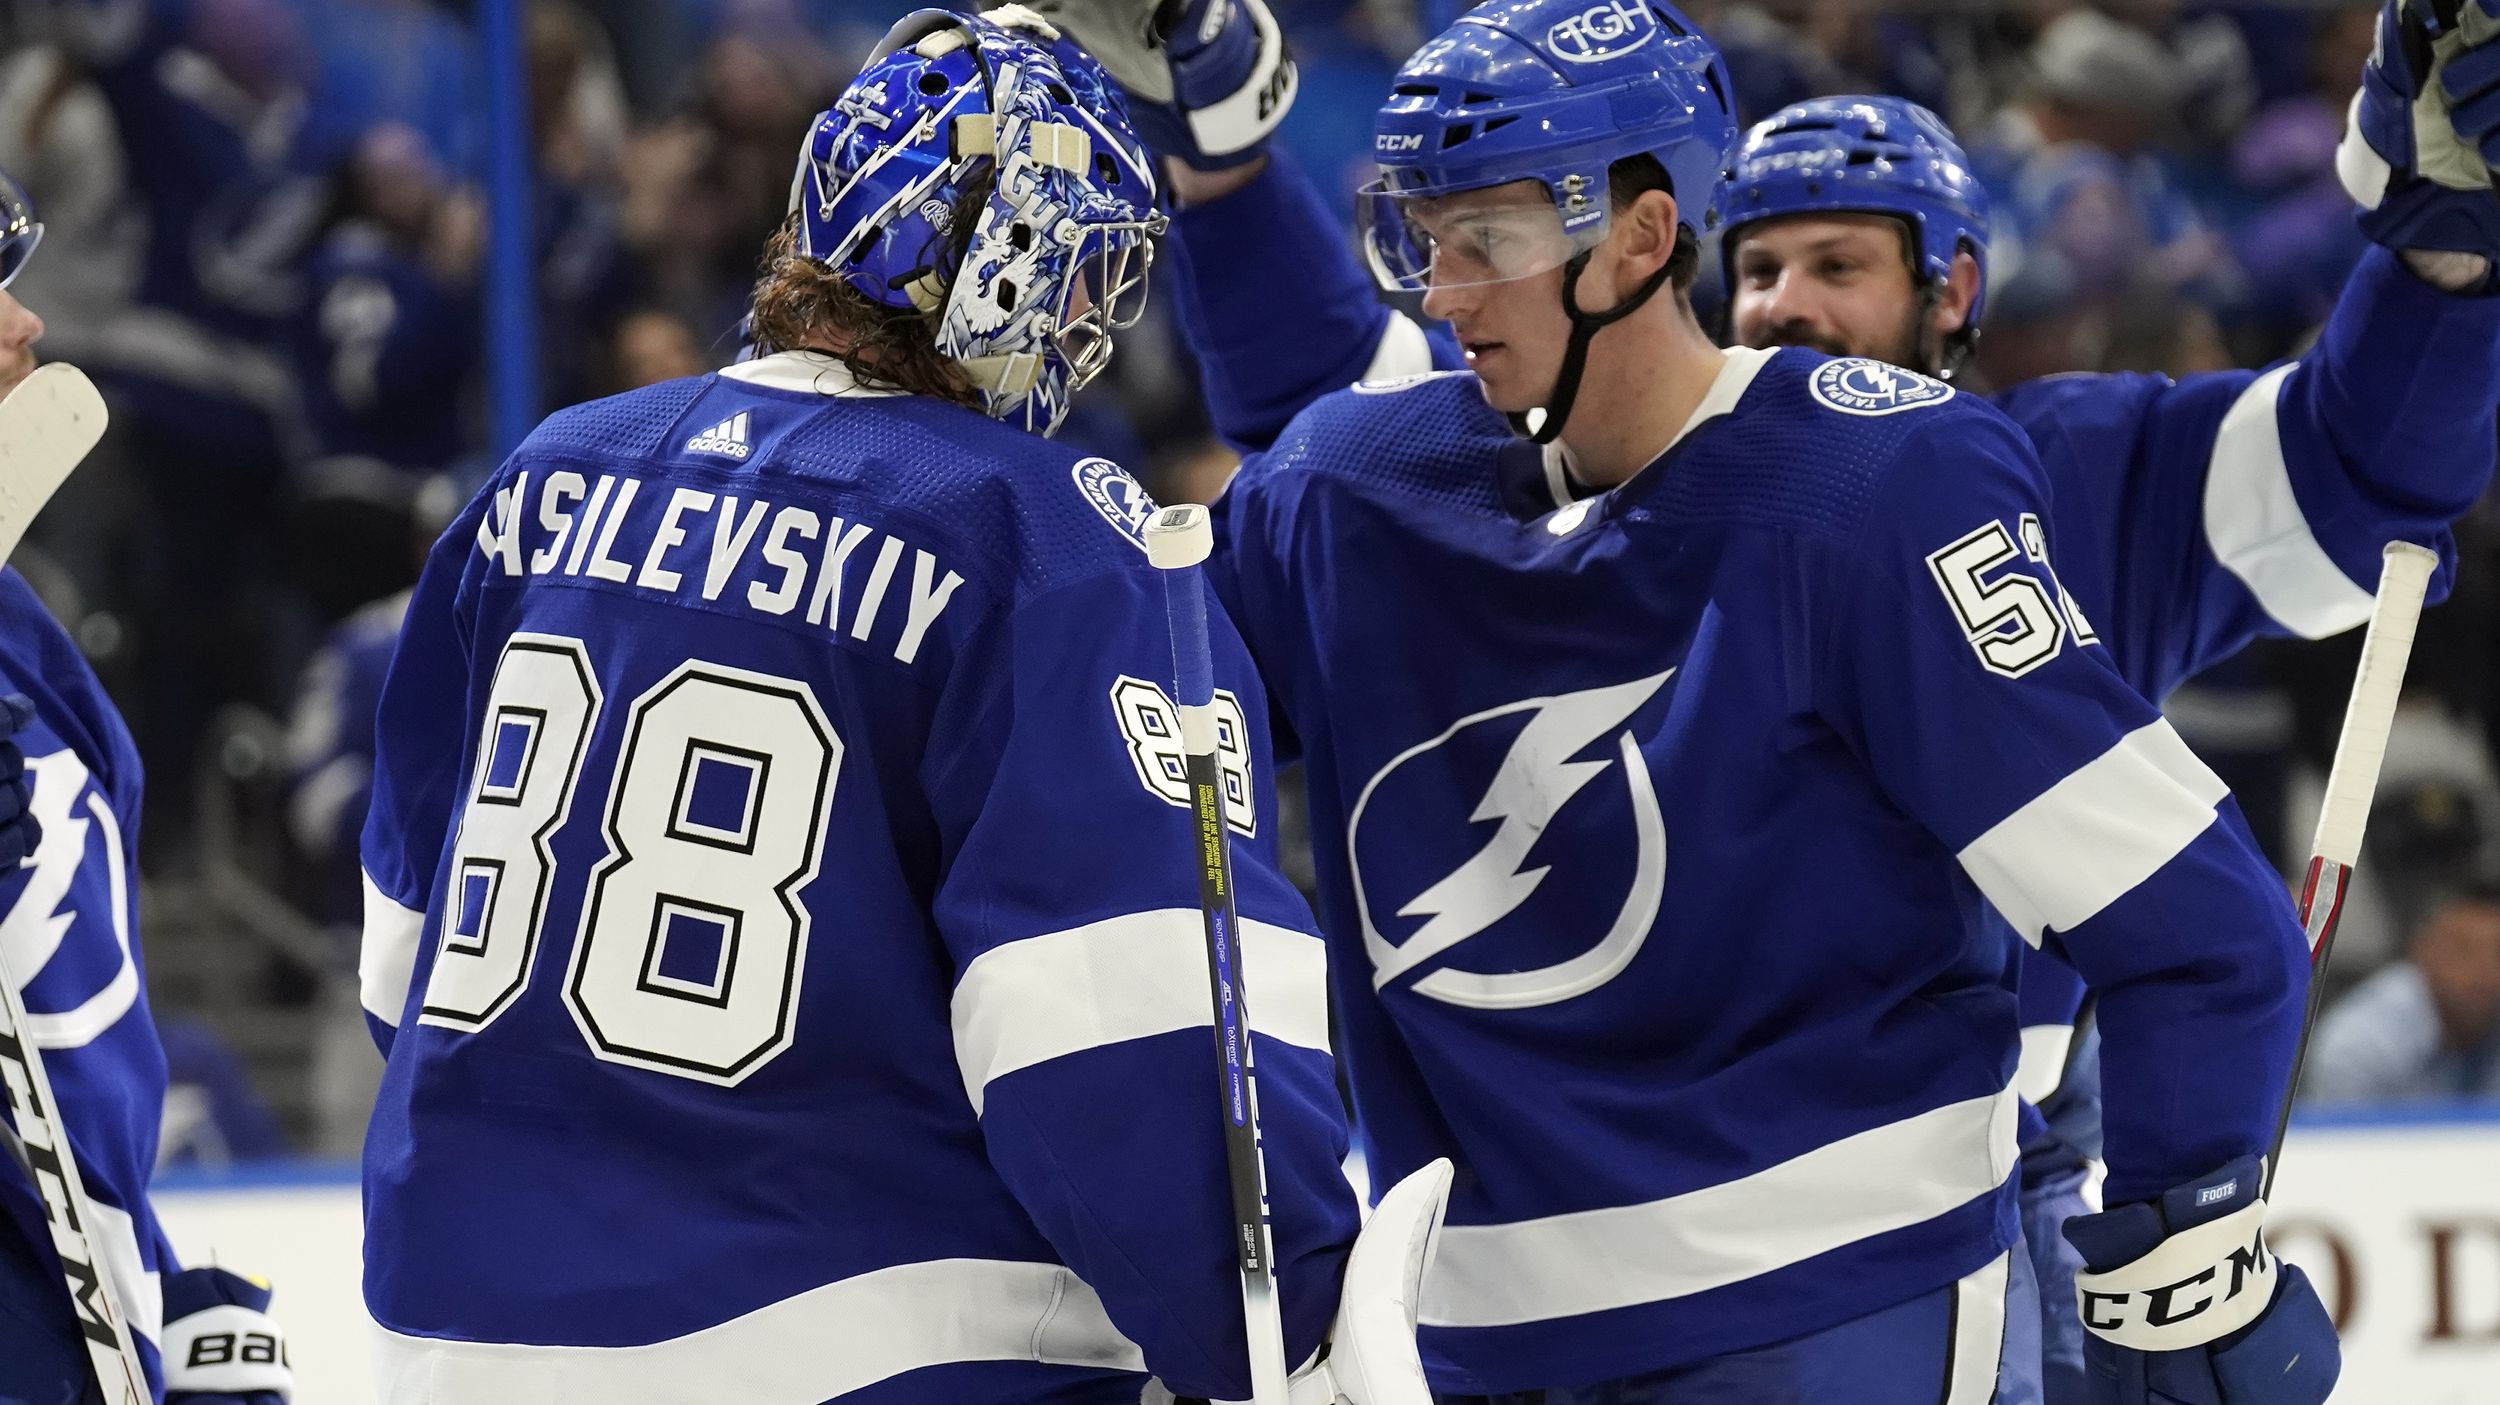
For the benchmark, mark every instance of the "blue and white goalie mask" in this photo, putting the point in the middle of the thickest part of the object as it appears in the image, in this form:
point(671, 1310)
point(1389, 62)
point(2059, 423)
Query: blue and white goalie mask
point(1057, 258)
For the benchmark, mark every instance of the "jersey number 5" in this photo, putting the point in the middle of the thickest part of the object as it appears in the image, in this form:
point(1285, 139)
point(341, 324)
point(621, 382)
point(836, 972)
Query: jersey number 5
point(691, 935)
point(2012, 622)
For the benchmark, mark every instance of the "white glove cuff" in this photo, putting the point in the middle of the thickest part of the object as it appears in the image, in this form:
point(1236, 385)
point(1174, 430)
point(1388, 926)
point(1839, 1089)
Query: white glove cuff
point(229, 1350)
point(2196, 1286)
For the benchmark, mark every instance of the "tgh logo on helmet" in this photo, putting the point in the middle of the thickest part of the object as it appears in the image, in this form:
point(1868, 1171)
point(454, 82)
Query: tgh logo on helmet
point(1602, 32)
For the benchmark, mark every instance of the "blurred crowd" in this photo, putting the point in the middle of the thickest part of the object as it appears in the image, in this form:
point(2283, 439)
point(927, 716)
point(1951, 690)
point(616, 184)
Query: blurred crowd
point(267, 241)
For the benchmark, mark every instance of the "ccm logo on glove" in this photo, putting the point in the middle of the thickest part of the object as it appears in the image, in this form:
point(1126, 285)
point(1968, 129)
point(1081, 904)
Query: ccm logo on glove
point(2198, 1285)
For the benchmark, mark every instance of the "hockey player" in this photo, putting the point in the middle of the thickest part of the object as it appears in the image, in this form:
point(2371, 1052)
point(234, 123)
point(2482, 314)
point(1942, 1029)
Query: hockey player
point(1855, 227)
point(66, 926)
point(2195, 515)
point(1536, 991)
point(783, 921)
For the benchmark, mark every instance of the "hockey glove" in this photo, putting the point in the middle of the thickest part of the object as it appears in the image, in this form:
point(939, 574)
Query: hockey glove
point(19, 833)
point(2424, 130)
point(221, 1347)
point(2183, 1303)
point(1207, 80)
point(1370, 1357)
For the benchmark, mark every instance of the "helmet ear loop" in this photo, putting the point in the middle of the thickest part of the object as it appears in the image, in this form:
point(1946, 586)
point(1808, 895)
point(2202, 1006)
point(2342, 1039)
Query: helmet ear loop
point(1585, 326)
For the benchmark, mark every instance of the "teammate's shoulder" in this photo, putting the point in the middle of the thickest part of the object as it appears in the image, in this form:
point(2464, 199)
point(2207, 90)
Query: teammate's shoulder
point(1430, 407)
point(1861, 396)
point(1414, 431)
point(1813, 444)
point(1885, 417)
point(1037, 512)
point(633, 424)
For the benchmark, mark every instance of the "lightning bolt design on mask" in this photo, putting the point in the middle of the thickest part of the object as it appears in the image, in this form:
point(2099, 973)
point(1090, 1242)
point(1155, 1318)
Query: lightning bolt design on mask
point(1536, 779)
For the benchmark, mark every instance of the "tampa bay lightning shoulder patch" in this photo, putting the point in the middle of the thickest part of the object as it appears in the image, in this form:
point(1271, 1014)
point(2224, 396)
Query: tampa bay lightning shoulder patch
point(1122, 501)
point(1855, 385)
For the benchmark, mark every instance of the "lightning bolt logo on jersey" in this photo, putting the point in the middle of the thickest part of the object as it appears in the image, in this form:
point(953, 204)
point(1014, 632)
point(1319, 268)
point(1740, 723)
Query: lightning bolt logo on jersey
point(1540, 799)
point(1744, 1076)
point(66, 925)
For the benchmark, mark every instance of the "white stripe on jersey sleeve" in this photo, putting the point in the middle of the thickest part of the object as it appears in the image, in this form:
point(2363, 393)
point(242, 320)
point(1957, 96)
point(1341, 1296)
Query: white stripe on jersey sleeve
point(823, 1343)
point(1130, 977)
point(387, 959)
point(2254, 524)
point(1403, 350)
point(2088, 840)
point(1886, 1178)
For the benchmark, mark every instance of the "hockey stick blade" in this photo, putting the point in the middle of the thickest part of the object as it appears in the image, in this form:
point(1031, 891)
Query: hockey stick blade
point(47, 425)
point(2360, 749)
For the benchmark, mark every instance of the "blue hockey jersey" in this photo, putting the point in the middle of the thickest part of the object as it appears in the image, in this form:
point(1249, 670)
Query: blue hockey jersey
point(2192, 516)
point(68, 920)
point(783, 928)
point(1657, 834)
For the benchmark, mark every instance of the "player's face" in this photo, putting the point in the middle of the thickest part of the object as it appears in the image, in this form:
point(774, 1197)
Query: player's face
point(1837, 283)
point(20, 328)
point(1513, 328)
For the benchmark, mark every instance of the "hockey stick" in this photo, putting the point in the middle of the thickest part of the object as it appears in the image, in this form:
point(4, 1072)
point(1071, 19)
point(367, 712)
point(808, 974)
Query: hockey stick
point(2404, 576)
point(1177, 539)
point(47, 425)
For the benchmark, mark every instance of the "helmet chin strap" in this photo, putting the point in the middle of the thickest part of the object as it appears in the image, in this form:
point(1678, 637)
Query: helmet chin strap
point(1584, 327)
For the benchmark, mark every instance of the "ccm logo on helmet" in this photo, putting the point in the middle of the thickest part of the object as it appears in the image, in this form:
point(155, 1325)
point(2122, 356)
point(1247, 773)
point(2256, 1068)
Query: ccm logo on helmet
point(1601, 32)
point(1398, 141)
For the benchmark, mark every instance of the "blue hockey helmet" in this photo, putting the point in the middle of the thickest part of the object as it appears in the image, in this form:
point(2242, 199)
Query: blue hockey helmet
point(20, 231)
point(1865, 156)
point(1057, 258)
point(1553, 91)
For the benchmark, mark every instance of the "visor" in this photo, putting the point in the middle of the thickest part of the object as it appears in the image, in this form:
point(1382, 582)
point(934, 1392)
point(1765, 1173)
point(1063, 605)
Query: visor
point(1421, 239)
point(20, 231)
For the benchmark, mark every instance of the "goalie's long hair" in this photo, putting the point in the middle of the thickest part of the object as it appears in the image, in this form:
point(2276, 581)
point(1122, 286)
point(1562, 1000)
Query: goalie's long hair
point(802, 304)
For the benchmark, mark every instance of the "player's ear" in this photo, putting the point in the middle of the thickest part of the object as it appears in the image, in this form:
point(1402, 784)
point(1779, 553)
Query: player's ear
point(1648, 226)
point(1954, 299)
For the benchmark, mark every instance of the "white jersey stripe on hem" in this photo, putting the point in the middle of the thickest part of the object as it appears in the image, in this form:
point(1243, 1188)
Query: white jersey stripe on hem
point(822, 1343)
point(1886, 1178)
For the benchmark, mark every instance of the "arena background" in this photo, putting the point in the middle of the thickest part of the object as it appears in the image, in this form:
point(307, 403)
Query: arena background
point(327, 257)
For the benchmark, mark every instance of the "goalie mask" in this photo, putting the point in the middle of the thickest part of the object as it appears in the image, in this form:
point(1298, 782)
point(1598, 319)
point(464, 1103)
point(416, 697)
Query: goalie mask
point(1057, 258)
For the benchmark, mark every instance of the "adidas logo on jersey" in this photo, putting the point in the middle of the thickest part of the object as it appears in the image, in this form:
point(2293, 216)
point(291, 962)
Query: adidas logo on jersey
point(728, 438)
